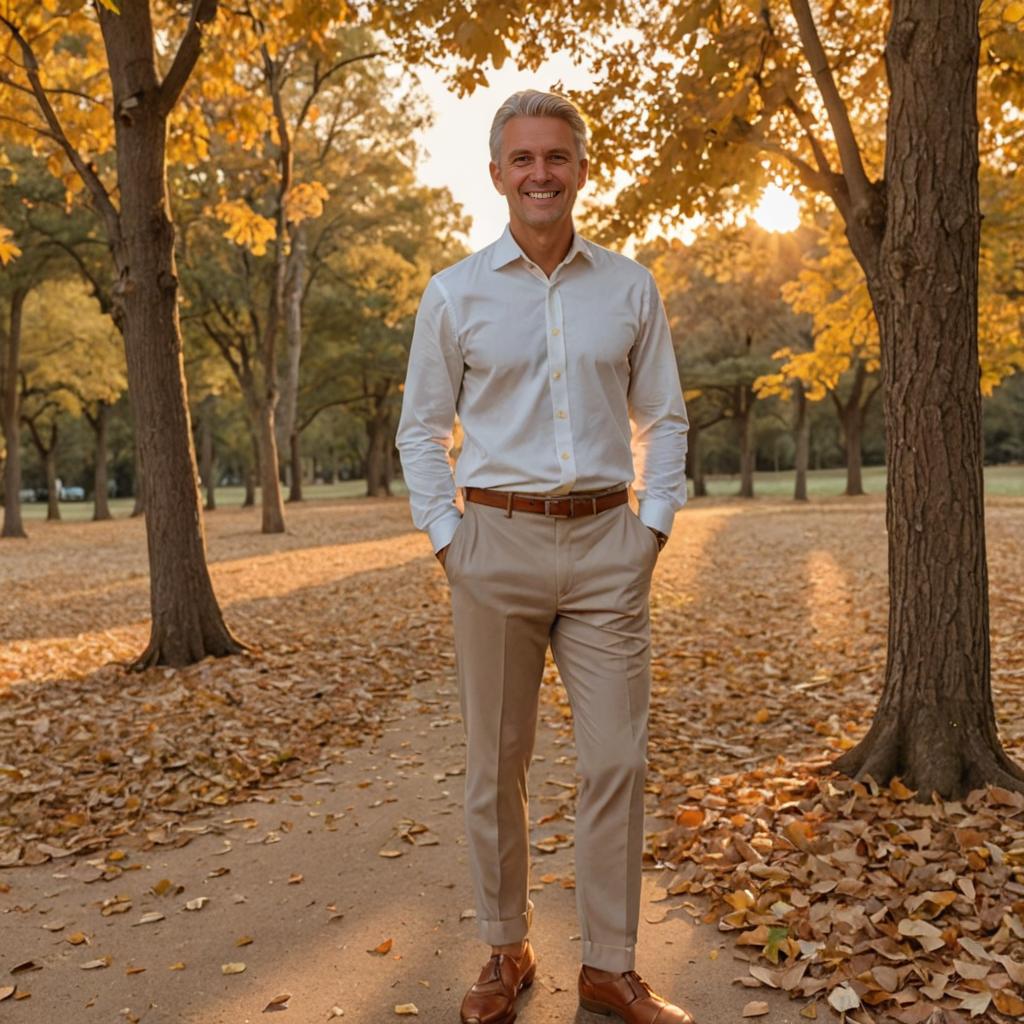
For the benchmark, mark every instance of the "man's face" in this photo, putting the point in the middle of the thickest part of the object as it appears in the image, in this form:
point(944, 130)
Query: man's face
point(538, 171)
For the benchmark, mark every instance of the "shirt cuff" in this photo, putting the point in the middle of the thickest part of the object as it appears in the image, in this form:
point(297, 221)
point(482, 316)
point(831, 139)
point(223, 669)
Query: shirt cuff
point(659, 515)
point(442, 530)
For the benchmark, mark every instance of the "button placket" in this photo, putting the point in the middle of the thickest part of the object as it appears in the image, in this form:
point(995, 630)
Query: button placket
point(559, 386)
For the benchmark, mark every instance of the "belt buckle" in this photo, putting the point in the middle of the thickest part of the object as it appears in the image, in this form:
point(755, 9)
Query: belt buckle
point(557, 515)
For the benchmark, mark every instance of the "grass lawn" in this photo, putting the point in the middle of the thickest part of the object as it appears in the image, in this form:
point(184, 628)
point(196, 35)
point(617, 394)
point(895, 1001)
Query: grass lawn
point(1002, 481)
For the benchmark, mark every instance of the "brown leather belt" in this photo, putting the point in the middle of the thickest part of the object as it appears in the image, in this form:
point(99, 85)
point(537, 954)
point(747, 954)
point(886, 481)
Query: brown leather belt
point(568, 506)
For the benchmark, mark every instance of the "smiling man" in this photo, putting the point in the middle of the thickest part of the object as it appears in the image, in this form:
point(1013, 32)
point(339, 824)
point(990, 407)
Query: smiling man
point(556, 356)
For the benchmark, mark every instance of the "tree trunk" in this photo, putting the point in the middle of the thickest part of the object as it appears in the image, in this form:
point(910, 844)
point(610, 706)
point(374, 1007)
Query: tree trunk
point(288, 410)
point(12, 421)
point(140, 505)
point(802, 435)
point(853, 426)
point(187, 622)
point(295, 490)
point(935, 724)
point(695, 458)
point(100, 502)
point(379, 437)
point(744, 411)
point(271, 503)
point(252, 468)
point(50, 464)
point(207, 464)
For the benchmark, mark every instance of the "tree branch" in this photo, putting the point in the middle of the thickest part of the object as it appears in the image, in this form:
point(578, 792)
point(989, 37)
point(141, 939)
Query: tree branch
point(88, 175)
point(203, 12)
point(319, 81)
point(858, 184)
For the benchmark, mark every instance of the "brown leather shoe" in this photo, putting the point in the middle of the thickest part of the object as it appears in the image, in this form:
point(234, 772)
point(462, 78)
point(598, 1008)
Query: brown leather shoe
point(629, 998)
point(492, 1000)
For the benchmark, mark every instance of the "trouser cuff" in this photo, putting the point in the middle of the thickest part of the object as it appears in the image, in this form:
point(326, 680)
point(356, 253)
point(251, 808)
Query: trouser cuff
point(609, 958)
point(504, 933)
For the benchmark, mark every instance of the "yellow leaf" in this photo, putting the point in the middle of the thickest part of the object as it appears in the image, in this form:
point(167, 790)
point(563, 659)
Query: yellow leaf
point(235, 968)
point(407, 1010)
point(8, 250)
point(1014, 12)
point(111, 5)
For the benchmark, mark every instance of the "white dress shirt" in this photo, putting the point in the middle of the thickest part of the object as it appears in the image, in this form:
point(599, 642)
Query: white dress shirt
point(561, 383)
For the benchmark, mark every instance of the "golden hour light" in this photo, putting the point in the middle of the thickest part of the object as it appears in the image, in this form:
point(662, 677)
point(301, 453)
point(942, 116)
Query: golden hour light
point(777, 210)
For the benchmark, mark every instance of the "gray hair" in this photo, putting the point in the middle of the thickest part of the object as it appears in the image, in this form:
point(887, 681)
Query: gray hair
point(532, 103)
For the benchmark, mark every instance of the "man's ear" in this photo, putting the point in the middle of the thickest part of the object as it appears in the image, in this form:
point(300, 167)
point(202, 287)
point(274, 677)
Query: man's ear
point(496, 177)
point(584, 169)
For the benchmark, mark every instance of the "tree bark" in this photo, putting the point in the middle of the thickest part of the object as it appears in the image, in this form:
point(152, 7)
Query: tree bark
point(288, 409)
point(251, 472)
point(271, 503)
point(378, 432)
point(744, 414)
point(207, 461)
point(100, 502)
point(935, 724)
point(187, 624)
point(12, 526)
point(853, 425)
point(802, 435)
point(295, 489)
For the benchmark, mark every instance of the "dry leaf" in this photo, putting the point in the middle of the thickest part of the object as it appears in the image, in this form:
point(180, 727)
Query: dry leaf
point(103, 961)
point(383, 948)
point(407, 1010)
point(232, 968)
point(755, 1009)
point(277, 1001)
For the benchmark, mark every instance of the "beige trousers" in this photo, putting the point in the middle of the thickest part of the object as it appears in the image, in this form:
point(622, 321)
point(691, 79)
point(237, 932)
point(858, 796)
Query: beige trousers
point(582, 586)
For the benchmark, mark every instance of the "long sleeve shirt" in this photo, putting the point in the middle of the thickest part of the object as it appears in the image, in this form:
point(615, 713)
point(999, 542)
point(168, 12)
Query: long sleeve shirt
point(560, 383)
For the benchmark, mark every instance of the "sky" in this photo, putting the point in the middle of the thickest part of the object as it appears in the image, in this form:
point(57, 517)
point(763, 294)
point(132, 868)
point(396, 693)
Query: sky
point(457, 142)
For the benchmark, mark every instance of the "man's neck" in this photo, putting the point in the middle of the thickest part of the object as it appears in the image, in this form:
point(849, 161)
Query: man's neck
point(545, 248)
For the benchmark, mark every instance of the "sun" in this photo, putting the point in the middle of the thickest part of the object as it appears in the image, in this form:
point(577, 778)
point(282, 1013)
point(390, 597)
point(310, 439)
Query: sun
point(777, 210)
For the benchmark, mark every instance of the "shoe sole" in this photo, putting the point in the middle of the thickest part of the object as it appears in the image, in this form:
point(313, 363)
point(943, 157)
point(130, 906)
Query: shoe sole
point(523, 986)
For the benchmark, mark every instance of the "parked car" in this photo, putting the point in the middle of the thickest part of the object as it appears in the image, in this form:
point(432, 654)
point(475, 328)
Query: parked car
point(72, 494)
point(27, 494)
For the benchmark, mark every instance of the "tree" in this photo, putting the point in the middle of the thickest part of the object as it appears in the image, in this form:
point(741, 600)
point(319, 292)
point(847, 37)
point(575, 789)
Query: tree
point(700, 104)
point(727, 314)
point(130, 195)
point(843, 361)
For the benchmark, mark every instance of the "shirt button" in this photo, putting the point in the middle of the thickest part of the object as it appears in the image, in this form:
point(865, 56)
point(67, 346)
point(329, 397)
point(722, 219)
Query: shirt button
point(557, 374)
point(561, 414)
point(555, 331)
point(565, 456)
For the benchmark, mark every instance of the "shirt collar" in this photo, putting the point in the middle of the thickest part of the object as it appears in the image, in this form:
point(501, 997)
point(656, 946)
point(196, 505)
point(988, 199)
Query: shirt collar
point(506, 250)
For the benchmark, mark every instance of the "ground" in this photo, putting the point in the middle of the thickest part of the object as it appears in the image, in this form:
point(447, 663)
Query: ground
point(280, 784)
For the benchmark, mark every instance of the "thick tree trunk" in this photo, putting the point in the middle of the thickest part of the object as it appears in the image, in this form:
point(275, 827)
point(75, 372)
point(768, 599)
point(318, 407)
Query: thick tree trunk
point(207, 462)
point(935, 724)
point(744, 412)
point(802, 436)
point(100, 502)
point(187, 621)
point(295, 450)
point(12, 421)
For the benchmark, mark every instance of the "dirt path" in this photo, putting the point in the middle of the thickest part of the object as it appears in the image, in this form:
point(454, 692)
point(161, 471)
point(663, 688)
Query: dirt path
point(310, 937)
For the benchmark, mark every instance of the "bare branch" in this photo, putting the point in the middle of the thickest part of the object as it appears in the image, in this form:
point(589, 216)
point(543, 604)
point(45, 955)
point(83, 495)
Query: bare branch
point(320, 80)
point(858, 184)
point(203, 12)
point(86, 171)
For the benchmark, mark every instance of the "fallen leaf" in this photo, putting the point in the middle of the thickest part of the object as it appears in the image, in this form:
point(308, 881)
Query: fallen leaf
point(278, 1001)
point(755, 1009)
point(232, 968)
point(407, 1010)
point(383, 948)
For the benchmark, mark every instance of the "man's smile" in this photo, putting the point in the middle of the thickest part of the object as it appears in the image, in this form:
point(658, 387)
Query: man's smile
point(542, 195)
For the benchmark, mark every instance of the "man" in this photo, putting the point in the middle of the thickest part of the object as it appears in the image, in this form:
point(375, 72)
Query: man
point(547, 346)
